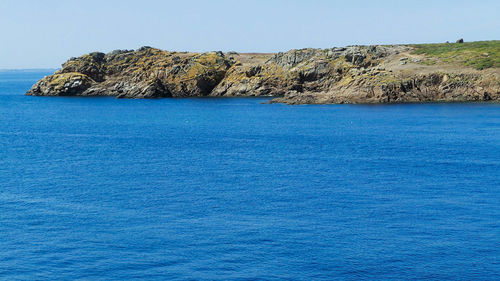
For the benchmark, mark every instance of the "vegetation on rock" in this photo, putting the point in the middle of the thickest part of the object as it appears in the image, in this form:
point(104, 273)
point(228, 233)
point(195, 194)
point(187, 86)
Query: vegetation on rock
point(354, 74)
point(62, 84)
point(480, 55)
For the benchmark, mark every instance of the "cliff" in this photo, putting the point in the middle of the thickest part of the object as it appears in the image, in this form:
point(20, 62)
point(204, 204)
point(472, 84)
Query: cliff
point(354, 74)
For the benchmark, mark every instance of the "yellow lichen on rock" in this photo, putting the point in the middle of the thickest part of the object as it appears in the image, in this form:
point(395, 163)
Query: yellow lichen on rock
point(63, 84)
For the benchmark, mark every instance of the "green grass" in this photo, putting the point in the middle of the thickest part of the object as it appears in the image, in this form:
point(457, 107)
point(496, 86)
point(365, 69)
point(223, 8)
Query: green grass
point(480, 54)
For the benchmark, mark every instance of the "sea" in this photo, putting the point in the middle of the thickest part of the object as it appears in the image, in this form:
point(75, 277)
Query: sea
point(240, 189)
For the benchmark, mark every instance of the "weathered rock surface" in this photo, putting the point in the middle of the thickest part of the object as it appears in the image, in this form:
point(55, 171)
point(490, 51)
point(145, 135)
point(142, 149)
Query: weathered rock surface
point(62, 84)
point(354, 74)
point(145, 73)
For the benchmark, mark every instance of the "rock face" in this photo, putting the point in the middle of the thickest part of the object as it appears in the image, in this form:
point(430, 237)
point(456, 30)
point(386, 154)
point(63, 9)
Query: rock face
point(145, 73)
point(62, 84)
point(355, 74)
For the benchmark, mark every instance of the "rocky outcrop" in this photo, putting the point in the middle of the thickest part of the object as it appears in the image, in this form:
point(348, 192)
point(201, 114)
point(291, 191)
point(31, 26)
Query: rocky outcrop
point(145, 73)
point(435, 87)
point(62, 84)
point(354, 74)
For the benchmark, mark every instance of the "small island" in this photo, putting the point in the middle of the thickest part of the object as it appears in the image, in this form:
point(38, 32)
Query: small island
point(447, 72)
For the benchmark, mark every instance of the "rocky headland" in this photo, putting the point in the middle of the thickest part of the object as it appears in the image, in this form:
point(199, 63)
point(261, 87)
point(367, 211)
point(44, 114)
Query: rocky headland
point(450, 72)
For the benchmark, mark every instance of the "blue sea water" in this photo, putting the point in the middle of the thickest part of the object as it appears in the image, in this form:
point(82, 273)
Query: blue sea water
point(234, 189)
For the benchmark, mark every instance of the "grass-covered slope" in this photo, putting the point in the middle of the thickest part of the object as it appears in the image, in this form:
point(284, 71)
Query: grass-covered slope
point(480, 54)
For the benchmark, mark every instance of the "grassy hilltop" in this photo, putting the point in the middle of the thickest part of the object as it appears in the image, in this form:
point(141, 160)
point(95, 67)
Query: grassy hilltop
point(480, 54)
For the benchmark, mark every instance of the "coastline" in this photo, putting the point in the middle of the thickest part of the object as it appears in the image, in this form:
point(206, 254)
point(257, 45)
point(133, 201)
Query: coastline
point(458, 72)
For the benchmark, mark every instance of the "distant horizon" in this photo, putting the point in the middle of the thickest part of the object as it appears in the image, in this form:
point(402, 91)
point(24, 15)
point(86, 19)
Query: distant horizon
point(28, 69)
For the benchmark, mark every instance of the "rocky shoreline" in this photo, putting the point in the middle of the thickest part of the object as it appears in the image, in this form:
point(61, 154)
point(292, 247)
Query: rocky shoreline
point(354, 74)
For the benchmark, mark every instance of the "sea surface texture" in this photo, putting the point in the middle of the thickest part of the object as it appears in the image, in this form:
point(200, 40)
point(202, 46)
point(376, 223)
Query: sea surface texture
point(234, 189)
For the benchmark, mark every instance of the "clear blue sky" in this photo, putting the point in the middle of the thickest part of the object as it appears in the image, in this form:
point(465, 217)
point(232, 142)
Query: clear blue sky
point(45, 33)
